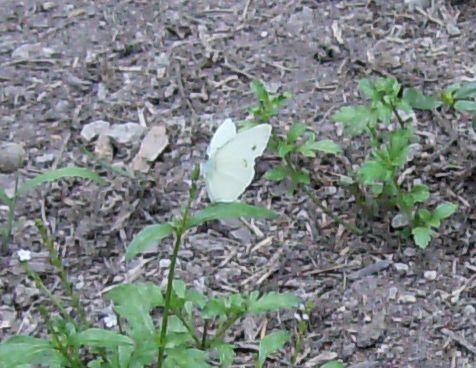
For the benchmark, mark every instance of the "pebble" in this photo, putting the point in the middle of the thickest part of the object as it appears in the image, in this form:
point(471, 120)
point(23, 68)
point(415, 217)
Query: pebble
point(452, 29)
point(409, 252)
point(407, 298)
point(469, 310)
point(94, 129)
point(401, 268)
point(392, 293)
point(348, 350)
point(125, 133)
point(12, 156)
point(164, 263)
point(430, 275)
point(45, 158)
point(413, 4)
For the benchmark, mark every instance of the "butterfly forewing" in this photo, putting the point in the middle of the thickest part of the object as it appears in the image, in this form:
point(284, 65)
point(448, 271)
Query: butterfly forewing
point(233, 163)
point(223, 135)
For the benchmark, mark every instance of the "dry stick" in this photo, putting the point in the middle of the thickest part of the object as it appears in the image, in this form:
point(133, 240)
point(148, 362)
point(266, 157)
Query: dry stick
point(245, 10)
point(352, 228)
point(460, 340)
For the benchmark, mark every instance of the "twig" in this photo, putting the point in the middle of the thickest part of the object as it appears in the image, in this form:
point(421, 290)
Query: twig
point(182, 90)
point(460, 340)
point(245, 10)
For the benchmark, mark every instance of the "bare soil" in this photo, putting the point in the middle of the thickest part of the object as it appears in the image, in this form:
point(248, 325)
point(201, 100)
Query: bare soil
point(187, 65)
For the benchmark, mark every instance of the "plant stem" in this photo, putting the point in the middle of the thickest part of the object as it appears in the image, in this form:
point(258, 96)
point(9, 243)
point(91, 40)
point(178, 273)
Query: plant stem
point(230, 322)
point(55, 261)
point(11, 217)
point(39, 284)
point(204, 335)
point(187, 325)
point(399, 118)
point(168, 297)
point(352, 228)
point(179, 231)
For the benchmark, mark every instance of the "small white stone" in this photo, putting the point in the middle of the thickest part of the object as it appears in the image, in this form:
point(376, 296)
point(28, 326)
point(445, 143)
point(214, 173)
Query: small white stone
point(392, 293)
point(164, 263)
point(125, 133)
point(94, 129)
point(264, 34)
point(45, 158)
point(430, 275)
point(409, 252)
point(408, 298)
point(24, 255)
point(110, 321)
point(469, 310)
point(401, 268)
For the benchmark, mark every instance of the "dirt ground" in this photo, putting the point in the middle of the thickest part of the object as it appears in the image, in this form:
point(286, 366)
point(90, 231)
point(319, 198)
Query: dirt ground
point(187, 65)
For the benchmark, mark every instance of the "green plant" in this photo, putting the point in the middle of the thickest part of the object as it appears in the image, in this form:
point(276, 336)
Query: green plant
point(299, 143)
point(457, 96)
point(193, 325)
point(268, 105)
point(19, 190)
point(376, 184)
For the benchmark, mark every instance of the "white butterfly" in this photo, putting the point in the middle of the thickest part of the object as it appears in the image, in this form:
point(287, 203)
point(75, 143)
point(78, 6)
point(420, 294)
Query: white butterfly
point(231, 160)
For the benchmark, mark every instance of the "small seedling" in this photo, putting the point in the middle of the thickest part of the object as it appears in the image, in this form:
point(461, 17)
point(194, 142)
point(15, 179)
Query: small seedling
point(376, 184)
point(19, 190)
point(298, 143)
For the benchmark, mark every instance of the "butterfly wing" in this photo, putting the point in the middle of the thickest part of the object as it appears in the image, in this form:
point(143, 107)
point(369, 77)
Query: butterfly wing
point(231, 168)
point(225, 132)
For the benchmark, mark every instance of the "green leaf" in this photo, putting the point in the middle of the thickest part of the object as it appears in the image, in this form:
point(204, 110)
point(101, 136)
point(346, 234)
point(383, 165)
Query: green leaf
point(148, 237)
point(333, 364)
point(356, 119)
point(179, 288)
point(384, 112)
point(259, 90)
point(418, 100)
point(466, 90)
point(99, 338)
point(422, 236)
point(296, 131)
point(186, 358)
point(196, 297)
point(325, 145)
point(284, 148)
point(372, 171)
point(420, 193)
point(226, 353)
point(4, 198)
point(26, 350)
point(53, 175)
point(425, 216)
point(134, 302)
point(215, 307)
point(301, 176)
point(367, 88)
point(444, 210)
point(175, 325)
point(273, 301)
point(271, 343)
point(277, 173)
point(223, 211)
point(465, 105)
